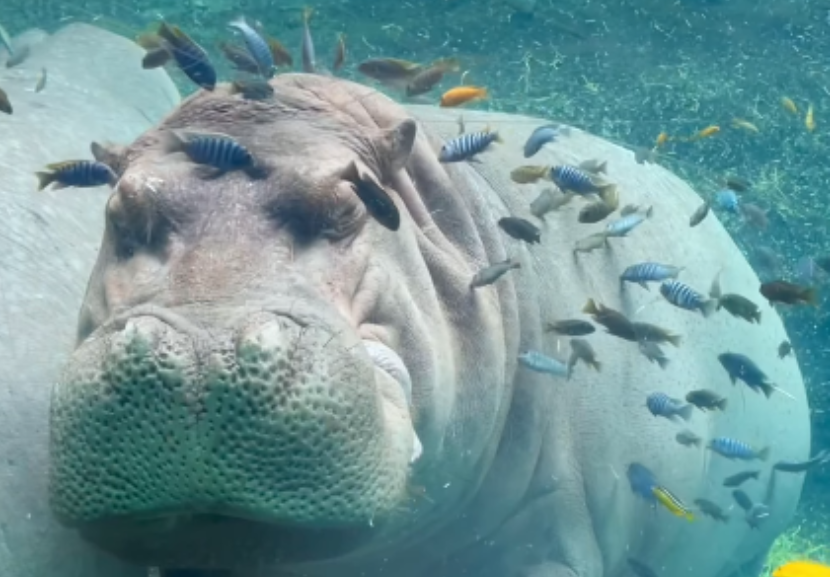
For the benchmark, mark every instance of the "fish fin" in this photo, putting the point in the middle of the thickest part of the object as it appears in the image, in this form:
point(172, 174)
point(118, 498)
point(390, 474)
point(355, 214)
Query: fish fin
point(767, 388)
point(758, 317)
point(714, 289)
point(44, 179)
point(722, 404)
point(173, 141)
point(644, 284)
point(733, 378)
point(597, 366)
point(686, 412)
point(696, 442)
point(709, 307)
point(590, 307)
point(649, 212)
point(674, 340)
point(601, 167)
point(663, 363)
point(810, 296)
point(763, 454)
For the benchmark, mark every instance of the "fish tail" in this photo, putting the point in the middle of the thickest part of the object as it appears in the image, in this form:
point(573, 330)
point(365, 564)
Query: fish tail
point(649, 212)
point(514, 264)
point(722, 404)
point(810, 296)
point(686, 412)
point(590, 307)
point(172, 141)
point(44, 179)
point(663, 363)
point(601, 167)
point(758, 317)
point(689, 516)
point(308, 12)
point(767, 388)
point(610, 196)
point(597, 366)
point(674, 340)
point(709, 307)
point(696, 442)
point(762, 454)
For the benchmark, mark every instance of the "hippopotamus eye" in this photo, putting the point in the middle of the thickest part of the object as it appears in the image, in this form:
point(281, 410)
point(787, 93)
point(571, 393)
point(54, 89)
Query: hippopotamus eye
point(133, 228)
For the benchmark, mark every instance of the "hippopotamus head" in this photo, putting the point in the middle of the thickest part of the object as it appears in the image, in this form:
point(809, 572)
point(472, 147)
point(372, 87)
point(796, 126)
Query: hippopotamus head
point(264, 374)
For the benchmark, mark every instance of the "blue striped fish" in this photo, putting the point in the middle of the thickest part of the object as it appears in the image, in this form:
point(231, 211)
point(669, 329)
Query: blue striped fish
point(662, 405)
point(683, 296)
point(257, 46)
point(466, 146)
point(734, 449)
point(649, 272)
point(189, 56)
point(572, 179)
point(80, 173)
point(212, 149)
point(622, 226)
point(541, 363)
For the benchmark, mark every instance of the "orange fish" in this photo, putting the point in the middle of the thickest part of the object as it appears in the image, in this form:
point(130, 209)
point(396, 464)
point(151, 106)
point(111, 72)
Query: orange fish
point(705, 133)
point(802, 569)
point(662, 139)
point(462, 95)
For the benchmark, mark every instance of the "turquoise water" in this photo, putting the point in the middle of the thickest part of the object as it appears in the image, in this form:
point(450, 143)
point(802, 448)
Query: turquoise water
point(626, 71)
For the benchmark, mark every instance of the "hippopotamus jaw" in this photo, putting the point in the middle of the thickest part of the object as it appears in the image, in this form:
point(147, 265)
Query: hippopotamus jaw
point(165, 431)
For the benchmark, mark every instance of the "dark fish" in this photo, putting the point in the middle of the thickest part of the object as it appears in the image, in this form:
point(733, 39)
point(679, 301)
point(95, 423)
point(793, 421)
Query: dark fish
point(309, 58)
point(647, 332)
point(784, 349)
point(662, 405)
point(255, 89)
point(494, 272)
point(700, 214)
point(239, 58)
point(79, 173)
point(5, 104)
point(615, 322)
point(740, 478)
point(739, 306)
point(742, 499)
point(156, 58)
point(737, 183)
point(41, 81)
point(640, 569)
point(215, 150)
point(390, 71)
point(189, 56)
point(257, 46)
point(711, 509)
point(466, 146)
point(781, 291)
point(734, 449)
point(279, 53)
point(642, 481)
point(622, 226)
point(821, 458)
point(685, 297)
point(653, 353)
point(339, 53)
point(377, 201)
point(582, 350)
point(706, 400)
point(540, 137)
point(521, 229)
point(741, 367)
point(595, 212)
point(571, 328)
point(541, 363)
point(428, 78)
point(688, 438)
point(649, 272)
point(573, 179)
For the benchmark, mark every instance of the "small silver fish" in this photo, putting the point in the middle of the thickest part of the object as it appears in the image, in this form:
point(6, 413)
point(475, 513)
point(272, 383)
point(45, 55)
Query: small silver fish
point(624, 225)
point(309, 58)
point(541, 363)
point(699, 214)
point(592, 242)
point(548, 201)
point(492, 273)
point(688, 438)
point(594, 165)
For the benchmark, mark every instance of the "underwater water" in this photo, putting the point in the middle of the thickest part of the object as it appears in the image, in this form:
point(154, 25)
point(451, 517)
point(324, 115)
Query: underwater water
point(731, 96)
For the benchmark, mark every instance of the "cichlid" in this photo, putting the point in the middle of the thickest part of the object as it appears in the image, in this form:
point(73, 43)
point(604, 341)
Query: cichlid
point(784, 292)
point(257, 89)
point(739, 306)
point(541, 363)
point(727, 200)
point(615, 322)
point(821, 458)
point(520, 229)
point(655, 334)
point(582, 350)
point(739, 479)
point(540, 137)
point(571, 328)
point(377, 201)
point(591, 242)
point(662, 405)
point(219, 151)
point(742, 367)
point(466, 146)
point(711, 509)
point(653, 353)
point(700, 214)
point(672, 503)
point(77, 173)
point(257, 46)
point(595, 212)
point(649, 272)
point(784, 349)
point(624, 225)
point(494, 272)
point(685, 297)
point(573, 179)
point(688, 438)
point(239, 58)
point(734, 449)
point(528, 174)
point(706, 400)
point(642, 481)
point(189, 56)
point(742, 499)
point(548, 201)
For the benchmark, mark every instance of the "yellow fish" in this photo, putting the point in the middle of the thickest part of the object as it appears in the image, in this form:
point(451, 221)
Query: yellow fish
point(705, 133)
point(674, 505)
point(745, 124)
point(662, 139)
point(789, 105)
point(809, 120)
point(802, 569)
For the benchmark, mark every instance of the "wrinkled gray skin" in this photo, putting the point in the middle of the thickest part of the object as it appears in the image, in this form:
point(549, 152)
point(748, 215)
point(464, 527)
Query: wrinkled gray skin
point(49, 243)
point(238, 396)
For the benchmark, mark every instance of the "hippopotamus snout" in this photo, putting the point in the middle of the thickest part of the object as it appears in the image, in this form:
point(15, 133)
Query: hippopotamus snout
point(274, 420)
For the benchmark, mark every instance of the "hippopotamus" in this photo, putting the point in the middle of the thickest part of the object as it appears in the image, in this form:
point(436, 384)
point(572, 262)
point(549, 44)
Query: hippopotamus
point(266, 380)
point(93, 92)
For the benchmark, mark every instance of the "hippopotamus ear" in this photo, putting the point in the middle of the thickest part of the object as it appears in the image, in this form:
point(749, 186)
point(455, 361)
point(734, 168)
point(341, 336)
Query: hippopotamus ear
point(396, 145)
point(113, 155)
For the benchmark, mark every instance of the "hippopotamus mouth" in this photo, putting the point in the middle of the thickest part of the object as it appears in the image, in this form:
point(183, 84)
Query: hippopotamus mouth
point(280, 434)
